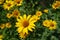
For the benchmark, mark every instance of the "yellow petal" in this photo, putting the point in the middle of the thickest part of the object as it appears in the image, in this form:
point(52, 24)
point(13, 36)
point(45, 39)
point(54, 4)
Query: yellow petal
point(30, 29)
point(20, 29)
point(24, 16)
point(25, 30)
point(21, 18)
point(28, 17)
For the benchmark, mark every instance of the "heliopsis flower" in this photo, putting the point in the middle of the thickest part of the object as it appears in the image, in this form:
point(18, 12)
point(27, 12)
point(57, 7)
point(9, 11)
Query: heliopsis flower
point(8, 25)
point(56, 5)
point(1, 36)
point(22, 35)
point(2, 26)
point(45, 10)
point(38, 13)
point(9, 15)
point(8, 5)
point(26, 23)
point(46, 23)
point(18, 2)
point(52, 25)
point(16, 13)
point(1, 1)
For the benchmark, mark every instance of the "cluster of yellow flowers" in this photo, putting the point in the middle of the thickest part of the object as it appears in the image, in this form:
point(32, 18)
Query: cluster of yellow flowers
point(56, 5)
point(15, 14)
point(1, 36)
point(8, 4)
point(26, 23)
point(7, 25)
point(50, 24)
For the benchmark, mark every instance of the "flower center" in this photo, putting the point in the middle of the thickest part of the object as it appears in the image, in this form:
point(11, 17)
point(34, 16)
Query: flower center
point(16, 12)
point(25, 23)
point(18, 1)
point(38, 13)
point(9, 4)
point(52, 25)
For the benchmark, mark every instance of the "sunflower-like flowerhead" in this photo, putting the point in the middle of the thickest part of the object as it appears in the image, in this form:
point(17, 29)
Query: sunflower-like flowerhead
point(50, 24)
point(26, 23)
point(8, 25)
point(9, 15)
point(46, 23)
point(18, 2)
point(38, 13)
point(16, 13)
point(2, 26)
point(56, 5)
point(8, 5)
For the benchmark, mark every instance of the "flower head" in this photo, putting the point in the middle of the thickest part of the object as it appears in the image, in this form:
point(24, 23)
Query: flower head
point(46, 23)
point(52, 25)
point(2, 26)
point(56, 5)
point(38, 13)
point(8, 25)
point(9, 15)
point(26, 23)
point(16, 13)
point(18, 2)
point(8, 5)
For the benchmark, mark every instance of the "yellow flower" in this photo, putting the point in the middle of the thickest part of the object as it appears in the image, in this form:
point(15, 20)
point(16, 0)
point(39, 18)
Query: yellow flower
point(9, 15)
point(52, 25)
point(2, 26)
point(1, 36)
point(1, 1)
point(8, 25)
point(38, 13)
point(26, 23)
point(8, 5)
point(18, 2)
point(46, 23)
point(16, 13)
point(22, 35)
point(56, 5)
point(45, 10)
